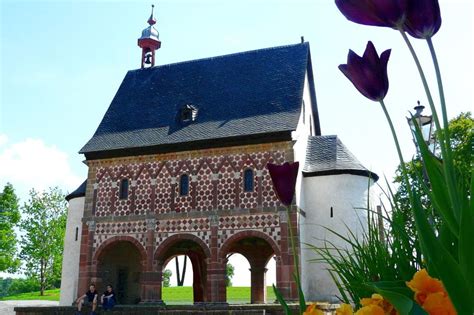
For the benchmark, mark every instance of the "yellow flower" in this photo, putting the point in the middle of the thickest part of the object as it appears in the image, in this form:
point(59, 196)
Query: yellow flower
point(371, 309)
point(312, 310)
point(379, 301)
point(422, 284)
point(344, 309)
point(438, 304)
point(376, 299)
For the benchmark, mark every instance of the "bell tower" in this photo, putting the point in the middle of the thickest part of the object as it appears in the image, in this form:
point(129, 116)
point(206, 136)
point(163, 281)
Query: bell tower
point(149, 42)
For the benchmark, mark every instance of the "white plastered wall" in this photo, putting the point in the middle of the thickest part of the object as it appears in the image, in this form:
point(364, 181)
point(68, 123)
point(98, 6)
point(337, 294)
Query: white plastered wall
point(72, 249)
point(346, 194)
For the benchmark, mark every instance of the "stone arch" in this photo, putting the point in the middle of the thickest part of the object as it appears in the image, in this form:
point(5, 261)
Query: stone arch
point(170, 241)
point(123, 272)
point(258, 248)
point(115, 239)
point(197, 252)
point(246, 234)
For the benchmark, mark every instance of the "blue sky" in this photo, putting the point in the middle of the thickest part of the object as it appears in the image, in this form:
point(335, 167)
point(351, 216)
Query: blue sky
point(63, 61)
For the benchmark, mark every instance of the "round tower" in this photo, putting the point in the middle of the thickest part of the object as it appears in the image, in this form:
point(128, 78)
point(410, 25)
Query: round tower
point(72, 246)
point(149, 42)
point(335, 192)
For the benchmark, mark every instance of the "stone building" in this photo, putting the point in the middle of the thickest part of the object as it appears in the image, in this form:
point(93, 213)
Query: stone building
point(177, 166)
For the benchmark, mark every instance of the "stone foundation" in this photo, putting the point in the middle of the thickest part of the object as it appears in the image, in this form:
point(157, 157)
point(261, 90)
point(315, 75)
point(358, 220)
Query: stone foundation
point(214, 309)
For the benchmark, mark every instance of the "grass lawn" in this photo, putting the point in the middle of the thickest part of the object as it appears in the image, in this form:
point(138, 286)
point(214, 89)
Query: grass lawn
point(235, 295)
point(49, 295)
point(172, 295)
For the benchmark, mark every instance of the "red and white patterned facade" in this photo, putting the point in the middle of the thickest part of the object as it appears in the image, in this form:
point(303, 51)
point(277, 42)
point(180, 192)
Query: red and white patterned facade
point(217, 216)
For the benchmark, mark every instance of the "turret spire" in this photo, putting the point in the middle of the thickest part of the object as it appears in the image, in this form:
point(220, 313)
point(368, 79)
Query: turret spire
point(152, 20)
point(149, 42)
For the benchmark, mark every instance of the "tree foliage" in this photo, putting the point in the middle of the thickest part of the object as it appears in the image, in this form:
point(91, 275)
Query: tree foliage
point(43, 225)
point(229, 273)
point(461, 130)
point(167, 278)
point(9, 218)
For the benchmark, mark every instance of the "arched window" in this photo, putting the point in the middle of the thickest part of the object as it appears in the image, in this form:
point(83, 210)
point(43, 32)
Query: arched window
point(123, 193)
point(184, 185)
point(248, 180)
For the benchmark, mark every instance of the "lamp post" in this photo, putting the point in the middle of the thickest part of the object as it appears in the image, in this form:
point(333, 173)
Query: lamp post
point(425, 122)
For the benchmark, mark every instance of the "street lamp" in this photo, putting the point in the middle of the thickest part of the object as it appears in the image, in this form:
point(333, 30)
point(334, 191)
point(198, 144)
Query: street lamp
point(425, 122)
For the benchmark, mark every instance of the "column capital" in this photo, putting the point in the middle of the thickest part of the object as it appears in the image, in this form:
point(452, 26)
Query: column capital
point(91, 224)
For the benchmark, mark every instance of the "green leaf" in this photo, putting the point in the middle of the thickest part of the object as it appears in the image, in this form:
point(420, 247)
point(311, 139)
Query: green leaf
point(445, 265)
point(300, 294)
point(466, 239)
point(403, 304)
point(281, 300)
point(441, 194)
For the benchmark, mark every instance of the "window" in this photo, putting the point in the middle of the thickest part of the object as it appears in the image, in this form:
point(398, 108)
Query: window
point(123, 194)
point(248, 180)
point(189, 113)
point(184, 185)
point(77, 233)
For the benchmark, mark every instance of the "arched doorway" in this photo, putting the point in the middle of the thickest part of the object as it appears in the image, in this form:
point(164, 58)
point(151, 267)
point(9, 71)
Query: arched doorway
point(198, 254)
point(258, 248)
point(120, 264)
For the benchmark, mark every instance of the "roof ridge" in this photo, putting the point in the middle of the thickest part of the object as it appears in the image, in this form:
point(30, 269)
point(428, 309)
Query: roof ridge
point(223, 56)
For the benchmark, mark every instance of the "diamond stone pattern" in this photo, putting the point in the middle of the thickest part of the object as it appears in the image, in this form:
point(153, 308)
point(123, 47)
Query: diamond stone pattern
point(135, 229)
point(199, 227)
point(267, 223)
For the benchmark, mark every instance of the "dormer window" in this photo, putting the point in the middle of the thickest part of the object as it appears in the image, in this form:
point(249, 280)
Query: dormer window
point(189, 113)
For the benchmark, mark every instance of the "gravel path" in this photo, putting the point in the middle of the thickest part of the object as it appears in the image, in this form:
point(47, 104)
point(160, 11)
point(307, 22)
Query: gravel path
point(6, 307)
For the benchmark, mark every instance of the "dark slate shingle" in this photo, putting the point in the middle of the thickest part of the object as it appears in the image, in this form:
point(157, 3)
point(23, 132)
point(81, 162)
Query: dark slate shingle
point(327, 155)
point(79, 192)
point(249, 93)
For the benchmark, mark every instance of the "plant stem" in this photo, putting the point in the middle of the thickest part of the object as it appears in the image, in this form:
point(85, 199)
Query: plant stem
point(440, 83)
point(423, 79)
point(397, 145)
point(293, 247)
point(446, 153)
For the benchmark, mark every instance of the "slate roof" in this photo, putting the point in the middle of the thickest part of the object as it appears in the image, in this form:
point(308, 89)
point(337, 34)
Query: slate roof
point(79, 192)
point(246, 94)
point(327, 155)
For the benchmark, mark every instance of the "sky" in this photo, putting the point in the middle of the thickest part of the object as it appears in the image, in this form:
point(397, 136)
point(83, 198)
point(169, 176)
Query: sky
point(63, 61)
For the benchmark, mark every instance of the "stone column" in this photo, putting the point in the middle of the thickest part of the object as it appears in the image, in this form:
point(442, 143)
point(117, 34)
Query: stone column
point(216, 288)
point(85, 261)
point(151, 279)
point(258, 291)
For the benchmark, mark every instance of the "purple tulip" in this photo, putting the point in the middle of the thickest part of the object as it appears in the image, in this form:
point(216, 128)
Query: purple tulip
point(388, 13)
point(284, 180)
point(368, 73)
point(423, 18)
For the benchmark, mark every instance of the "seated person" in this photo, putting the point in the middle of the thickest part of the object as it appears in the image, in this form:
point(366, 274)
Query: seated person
point(89, 298)
point(108, 298)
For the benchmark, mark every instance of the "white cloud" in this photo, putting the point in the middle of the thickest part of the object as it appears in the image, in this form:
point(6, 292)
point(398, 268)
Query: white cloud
point(32, 163)
point(3, 139)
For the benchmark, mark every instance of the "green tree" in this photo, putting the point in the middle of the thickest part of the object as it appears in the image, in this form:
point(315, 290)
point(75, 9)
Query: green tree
point(43, 226)
point(461, 130)
point(167, 278)
point(229, 273)
point(9, 218)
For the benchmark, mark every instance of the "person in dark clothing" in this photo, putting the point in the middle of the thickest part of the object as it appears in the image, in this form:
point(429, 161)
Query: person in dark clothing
point(108, 299)
point(89, 298)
